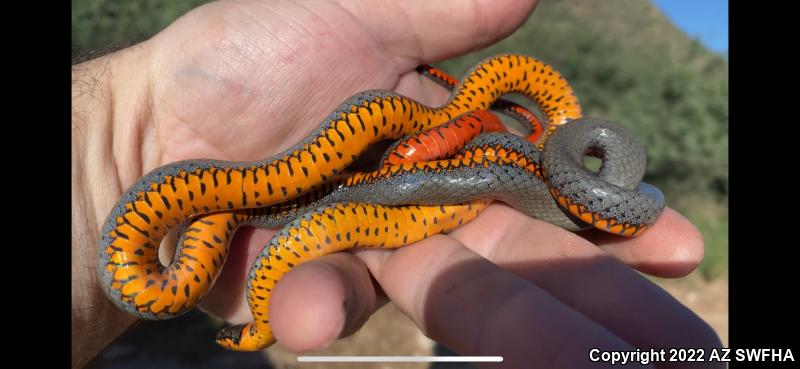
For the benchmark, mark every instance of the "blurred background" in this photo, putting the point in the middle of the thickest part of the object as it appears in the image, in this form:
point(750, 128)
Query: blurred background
point(659, 68)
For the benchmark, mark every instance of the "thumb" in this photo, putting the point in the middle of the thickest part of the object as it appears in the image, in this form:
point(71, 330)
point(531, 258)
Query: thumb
point(427, 31)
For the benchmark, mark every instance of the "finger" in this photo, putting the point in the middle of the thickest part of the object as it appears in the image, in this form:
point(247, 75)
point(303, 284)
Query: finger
point(227, 298)
point(476, 308)
point(671, 248)
point(321, 301)
point(422, 89)
point(585, 278)
point(428, 31)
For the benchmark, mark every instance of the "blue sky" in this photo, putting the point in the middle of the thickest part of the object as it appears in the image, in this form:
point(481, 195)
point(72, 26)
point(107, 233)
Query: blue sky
point(706, 19)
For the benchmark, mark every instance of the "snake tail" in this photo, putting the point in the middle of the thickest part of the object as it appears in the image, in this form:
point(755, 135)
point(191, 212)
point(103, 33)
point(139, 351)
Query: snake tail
point(442, 141)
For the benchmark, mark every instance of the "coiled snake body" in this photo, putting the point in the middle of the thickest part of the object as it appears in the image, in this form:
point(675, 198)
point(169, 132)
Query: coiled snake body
point(324, 211)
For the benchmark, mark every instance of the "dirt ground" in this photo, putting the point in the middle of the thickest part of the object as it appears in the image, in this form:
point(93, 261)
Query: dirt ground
point(391, 333)
point(708, 299)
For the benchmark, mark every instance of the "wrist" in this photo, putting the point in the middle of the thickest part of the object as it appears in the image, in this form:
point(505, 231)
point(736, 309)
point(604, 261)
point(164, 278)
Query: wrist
point(110, 113)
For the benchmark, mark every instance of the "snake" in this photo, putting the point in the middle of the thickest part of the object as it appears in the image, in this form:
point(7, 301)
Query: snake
point(426, 198)
point(220, 195)
point(203, 243)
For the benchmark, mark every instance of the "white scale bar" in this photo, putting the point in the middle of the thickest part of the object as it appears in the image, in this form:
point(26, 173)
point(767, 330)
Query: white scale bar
point(398, 359)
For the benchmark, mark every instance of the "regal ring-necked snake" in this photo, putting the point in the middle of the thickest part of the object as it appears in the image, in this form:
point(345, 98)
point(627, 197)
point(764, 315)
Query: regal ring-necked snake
point(391, 207)
point(202, 250)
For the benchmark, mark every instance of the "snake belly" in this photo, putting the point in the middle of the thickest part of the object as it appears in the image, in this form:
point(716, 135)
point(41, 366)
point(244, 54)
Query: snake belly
point(174, 194)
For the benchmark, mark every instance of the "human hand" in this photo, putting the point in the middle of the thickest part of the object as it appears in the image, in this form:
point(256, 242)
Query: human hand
point(241, 80)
